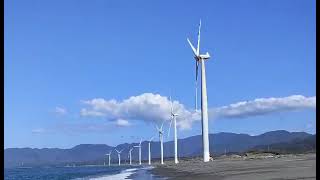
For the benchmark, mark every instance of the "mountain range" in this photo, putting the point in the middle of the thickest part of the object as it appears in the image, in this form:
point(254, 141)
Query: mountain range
point(282, 141)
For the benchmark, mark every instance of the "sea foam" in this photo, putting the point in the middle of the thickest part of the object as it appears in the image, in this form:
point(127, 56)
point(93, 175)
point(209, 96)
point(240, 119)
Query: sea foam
point(121, 176)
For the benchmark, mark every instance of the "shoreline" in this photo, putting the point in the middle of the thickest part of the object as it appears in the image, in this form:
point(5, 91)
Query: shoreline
point(145, 173)
point(299, 166)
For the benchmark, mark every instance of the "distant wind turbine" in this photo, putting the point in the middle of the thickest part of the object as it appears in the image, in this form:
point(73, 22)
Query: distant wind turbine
point(109, 154)
point(150, 150)
point(139, 150)
point(160, 130)
point(200, 58)
point(174, 119)
point(130, 154)
point(119, 152)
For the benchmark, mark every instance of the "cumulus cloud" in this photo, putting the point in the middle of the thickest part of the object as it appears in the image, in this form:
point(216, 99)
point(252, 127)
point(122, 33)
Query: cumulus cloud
point(263, 106)
point(148, 107)
point(154, 108)
point(122, 123)
point(86, 112)
point(60, 111)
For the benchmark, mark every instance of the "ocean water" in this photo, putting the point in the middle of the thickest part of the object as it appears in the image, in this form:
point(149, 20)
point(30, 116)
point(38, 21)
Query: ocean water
point(80, 173)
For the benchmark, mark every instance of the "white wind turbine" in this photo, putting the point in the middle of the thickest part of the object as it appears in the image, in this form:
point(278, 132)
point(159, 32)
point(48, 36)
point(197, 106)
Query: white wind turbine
point(119, 152)
point(130, 154)
point(160, 130)
point(200, 58)
point(174, 119)
point(109, 154)
point(150, 150)
point(139, 150)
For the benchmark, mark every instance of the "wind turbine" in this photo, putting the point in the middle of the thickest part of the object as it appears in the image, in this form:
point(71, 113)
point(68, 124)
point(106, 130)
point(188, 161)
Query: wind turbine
point(200, 58)
point(150, 150)
point(109, 154)
point(130, 154)
point(119, 152)
point(139, 151)
point(160, 130)
point(174, 119)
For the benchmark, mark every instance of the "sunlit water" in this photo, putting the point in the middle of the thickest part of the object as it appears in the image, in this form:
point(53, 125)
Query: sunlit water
point(80, 173)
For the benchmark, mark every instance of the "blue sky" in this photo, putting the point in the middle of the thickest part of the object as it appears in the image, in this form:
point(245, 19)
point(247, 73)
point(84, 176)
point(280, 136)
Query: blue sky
point(59, 54)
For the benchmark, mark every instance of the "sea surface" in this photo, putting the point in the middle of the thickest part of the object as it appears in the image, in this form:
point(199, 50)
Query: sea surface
point(80, 173)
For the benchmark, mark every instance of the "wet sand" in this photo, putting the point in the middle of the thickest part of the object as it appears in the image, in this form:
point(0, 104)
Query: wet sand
point(264, 167)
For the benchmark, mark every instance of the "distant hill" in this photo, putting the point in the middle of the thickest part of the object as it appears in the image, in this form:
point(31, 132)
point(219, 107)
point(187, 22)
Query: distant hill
point(298, 145)
point(48, 156)
point(191, 146)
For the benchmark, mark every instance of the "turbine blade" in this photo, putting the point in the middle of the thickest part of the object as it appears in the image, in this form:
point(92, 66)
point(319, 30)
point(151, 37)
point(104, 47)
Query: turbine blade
point(171, 105)
point(196, 86)
point(161, 126)
point(151, 138)
point(169, 127)
point(197, 70)
point(193, 49)
point(198, 47)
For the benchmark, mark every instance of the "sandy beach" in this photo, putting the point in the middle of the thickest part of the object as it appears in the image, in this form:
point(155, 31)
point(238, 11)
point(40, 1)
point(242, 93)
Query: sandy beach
point(255, 167)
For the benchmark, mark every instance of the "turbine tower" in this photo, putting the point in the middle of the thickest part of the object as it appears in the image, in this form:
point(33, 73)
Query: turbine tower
point(109, 154)
point(174, 119)
point(139, 151)
point(150, 150)
point(160, 130)
point(130, 154)
point(119, 152)
point(200, 58)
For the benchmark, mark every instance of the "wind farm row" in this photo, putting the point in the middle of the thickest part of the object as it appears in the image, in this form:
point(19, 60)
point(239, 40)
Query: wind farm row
point(199, 60)
point(161, 132)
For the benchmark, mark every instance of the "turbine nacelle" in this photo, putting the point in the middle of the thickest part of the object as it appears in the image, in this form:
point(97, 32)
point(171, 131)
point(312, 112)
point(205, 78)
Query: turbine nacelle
point(119, 152)
point(139, 144)
point(174, 114)
point(160, 130)
point(204, 56)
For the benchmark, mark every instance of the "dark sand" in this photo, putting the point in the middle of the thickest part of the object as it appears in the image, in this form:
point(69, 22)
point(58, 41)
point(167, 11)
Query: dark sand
point(263, 167)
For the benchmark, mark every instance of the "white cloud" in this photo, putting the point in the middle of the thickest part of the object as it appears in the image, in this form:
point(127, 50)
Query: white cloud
point(263, 106)
point(122, 123)
point(60, 111)
point(154, 108)
point(147, 107)
point(85, 112)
